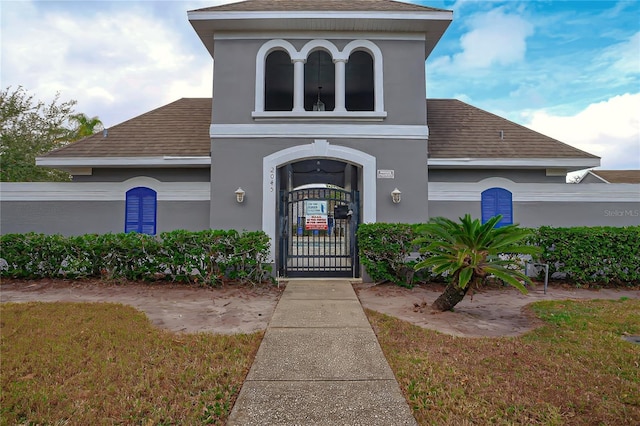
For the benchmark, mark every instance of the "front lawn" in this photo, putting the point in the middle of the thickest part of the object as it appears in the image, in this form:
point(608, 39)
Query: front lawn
point(98, 363)
point(575, 370)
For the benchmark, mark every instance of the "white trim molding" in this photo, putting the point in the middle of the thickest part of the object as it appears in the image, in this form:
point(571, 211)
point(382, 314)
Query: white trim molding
point(318, 130)
point(570, 164)
point(299, 58)
point(318, 149)
point(159, 161)
point(102, 191)
point(547, 192)
point(329, 35)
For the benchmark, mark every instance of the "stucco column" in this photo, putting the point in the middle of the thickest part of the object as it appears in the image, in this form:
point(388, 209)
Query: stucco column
point(298, 84)
point(340, 83)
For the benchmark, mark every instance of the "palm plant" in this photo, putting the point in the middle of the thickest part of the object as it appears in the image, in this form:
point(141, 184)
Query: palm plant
point(468, 252)
point(84, 126)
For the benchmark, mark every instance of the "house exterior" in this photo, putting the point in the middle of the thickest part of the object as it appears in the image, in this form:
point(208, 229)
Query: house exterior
point(611, 176)
point(318, 122)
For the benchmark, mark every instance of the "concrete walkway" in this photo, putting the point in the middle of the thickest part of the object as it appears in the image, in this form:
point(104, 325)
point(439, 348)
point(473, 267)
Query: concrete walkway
point(320, 364)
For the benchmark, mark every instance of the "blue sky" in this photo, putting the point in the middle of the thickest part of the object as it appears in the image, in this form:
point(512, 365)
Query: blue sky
point(569, 69)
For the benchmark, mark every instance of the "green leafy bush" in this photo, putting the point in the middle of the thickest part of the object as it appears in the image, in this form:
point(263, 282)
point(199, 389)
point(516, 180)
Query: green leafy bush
point(579, 255)
point(585, 255)
point(387, 251)
point(206, 256)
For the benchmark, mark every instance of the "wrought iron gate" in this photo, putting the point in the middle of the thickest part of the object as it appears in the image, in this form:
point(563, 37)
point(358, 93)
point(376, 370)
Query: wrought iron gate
point(318, 233)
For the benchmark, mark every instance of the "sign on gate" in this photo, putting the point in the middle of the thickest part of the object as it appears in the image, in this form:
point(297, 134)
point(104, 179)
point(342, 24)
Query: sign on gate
point(317, 222)
point(314, 207)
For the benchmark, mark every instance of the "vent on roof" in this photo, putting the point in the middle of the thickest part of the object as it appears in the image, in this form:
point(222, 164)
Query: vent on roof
point(501, 135)
point(105, 133)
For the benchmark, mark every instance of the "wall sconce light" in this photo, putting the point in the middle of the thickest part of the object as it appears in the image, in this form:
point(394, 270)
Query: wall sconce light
point(396, 196)
point(240, 195)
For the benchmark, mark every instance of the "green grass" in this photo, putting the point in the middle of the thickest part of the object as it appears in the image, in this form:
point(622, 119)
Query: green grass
point(575, 370)
point(80, 364)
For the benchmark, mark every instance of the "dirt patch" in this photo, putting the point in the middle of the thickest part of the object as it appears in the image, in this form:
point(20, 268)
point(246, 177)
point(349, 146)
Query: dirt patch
point(495, 311)
point(229, 309)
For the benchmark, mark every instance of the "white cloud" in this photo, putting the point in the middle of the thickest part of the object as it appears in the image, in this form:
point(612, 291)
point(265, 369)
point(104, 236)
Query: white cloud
point(495, 38)
point(619, 61)
point(609, 129)
point(117, 62)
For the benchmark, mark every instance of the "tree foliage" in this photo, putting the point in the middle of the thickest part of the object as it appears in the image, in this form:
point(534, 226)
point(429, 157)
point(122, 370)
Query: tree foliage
point(470, 251)
point(84, 126)
point(30, 128)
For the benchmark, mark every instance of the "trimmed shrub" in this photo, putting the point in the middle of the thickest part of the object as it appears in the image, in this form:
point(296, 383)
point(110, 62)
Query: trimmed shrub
point(206, 256)
point(387, 251)
point(585, 255)
point(579, 255)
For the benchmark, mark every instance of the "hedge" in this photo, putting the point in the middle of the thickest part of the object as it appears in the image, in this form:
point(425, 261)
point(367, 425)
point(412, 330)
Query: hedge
point(386, 251)
point(581, 255)
point(205, 256)
point(585, 255)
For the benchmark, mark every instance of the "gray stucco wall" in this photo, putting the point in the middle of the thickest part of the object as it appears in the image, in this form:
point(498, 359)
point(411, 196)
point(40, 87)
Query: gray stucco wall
point(404, 80)
point(232, 167)
point(163, 175)
point(556, 214)
point(99, 217)
point(476, 175)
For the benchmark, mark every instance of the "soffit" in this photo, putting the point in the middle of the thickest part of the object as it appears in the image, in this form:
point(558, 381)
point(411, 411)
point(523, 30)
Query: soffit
point(369, 16)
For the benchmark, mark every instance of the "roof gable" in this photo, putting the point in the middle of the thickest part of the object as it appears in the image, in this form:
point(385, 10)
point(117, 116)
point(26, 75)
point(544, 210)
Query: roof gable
point(617, 176)
point(318, 5)
point(460, 130)
point(456, 130)
point(180, 128)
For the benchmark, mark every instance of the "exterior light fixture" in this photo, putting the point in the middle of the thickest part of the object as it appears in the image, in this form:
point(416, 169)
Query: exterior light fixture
point(240, 195)
point(396, 196)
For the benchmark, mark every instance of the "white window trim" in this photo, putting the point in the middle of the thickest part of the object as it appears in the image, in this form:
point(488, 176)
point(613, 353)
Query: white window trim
point(298, 58)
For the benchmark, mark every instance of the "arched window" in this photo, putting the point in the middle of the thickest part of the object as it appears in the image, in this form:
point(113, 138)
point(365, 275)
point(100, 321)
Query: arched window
point(140, 211)
point(278, 82)
point(359, 83)
point(319, 82)
point(497, 201)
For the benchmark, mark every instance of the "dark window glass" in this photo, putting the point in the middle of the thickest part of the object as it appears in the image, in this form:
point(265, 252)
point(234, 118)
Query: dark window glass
point(278, 82)
point(319, 81)
point(359, 85)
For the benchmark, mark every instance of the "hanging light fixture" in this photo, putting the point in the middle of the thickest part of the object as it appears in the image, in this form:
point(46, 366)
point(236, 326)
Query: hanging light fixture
point(318, 105)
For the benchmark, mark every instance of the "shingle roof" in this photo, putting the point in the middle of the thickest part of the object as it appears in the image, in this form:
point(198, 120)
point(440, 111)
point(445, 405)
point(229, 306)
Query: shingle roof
point(460, 130)
point(618, 176)
point(180, 128)
point(318, 5)
point(456, 130)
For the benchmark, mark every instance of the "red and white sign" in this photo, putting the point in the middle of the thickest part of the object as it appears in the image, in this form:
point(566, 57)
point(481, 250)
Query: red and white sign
point(317, 222)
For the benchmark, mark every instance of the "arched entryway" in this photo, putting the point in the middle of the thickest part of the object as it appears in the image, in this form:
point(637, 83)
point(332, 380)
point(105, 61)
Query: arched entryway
point(319, 213)
point(338, 182)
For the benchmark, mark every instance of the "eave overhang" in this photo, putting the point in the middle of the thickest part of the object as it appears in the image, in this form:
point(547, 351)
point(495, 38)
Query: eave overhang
point(568, 164)
point(165, 161)
point(431, 23)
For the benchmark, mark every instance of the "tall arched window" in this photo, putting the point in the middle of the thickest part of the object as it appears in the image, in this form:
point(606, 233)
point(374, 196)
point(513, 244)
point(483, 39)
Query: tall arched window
point(319, 82)
point(278, 82)
point(497, 201)
point(140, 211)
point(359, 83)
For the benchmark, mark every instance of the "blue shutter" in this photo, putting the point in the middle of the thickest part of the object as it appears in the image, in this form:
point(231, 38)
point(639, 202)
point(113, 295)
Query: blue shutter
point(497, 201)
point(140, 214)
